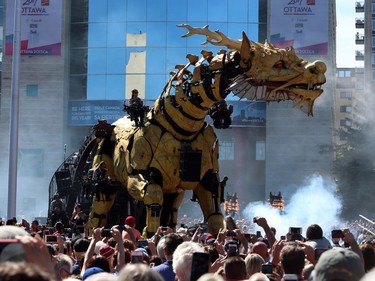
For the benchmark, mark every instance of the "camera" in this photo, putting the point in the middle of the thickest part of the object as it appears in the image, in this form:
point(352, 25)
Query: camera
point(142, 243)
point(231, 233)
point(106, 233)
point(337, 233)
point(295, 230)
point(50, 238)
point(267, 268)
point(121, 227)
point(200, 265)
point(164, 228)
point(232, 250)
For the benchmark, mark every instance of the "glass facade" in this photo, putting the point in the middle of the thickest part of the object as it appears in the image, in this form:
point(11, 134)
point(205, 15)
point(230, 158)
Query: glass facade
point(118, 45)
point(1, 38)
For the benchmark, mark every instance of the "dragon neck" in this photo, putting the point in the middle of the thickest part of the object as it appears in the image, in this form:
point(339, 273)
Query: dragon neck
point(183, 113)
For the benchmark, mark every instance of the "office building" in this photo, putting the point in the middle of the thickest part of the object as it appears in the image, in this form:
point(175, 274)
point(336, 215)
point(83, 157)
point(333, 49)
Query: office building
point(101, 50)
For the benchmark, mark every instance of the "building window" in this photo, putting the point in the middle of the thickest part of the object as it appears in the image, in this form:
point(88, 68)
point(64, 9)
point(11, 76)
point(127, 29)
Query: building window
point(260, 153)
point(32, 90)
point(226, 150)
point(343, 73)
point(30, 162)
point(373, 8)
point(346, 122)
point(359, 70)
point(346, 108)
point(346, 95)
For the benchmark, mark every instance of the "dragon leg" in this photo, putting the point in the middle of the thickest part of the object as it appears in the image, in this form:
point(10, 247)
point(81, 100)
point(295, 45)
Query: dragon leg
point(100, 206)
point(152, 196)
point(99, 211)
point(171, 204)
point(208, 195)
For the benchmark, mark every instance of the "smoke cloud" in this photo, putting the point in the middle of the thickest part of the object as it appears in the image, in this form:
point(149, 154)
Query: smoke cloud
point(314, 203)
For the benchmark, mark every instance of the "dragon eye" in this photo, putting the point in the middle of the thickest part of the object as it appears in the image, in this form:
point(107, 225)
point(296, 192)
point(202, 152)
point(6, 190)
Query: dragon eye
point(313, 70)
point(279, 65)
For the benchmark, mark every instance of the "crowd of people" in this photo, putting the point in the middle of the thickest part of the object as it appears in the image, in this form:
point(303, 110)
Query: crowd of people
point(29, 252)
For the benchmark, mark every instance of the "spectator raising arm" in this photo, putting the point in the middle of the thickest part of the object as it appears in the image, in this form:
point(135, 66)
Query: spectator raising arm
point(262, 222)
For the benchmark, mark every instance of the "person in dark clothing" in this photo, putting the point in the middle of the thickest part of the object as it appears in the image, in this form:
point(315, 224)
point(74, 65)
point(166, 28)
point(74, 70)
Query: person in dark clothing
point(172, 240)
point(136, 109)
point(78, 219)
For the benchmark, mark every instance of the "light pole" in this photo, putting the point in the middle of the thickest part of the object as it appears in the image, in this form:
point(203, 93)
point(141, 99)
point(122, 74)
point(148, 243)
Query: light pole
point(14, 112)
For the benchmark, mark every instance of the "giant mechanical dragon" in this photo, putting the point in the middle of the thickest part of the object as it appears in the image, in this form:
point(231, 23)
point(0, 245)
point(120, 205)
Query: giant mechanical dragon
point(176, 150)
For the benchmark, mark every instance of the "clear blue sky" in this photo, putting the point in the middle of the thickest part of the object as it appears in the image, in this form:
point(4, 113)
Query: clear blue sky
point(346, 15)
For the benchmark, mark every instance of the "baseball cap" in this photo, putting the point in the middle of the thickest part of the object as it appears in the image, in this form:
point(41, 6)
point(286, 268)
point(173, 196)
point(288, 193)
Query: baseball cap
point(130, 220)
point(206, 236)
point(91, 271)
point(106, 251)
point(143, 250)
point(338, 264)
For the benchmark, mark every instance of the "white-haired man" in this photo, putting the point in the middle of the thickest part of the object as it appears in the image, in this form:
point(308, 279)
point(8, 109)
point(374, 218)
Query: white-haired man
point(182, 259)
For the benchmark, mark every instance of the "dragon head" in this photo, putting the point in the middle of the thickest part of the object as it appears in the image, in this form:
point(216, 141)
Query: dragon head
point(269, 73)
point(274, 74)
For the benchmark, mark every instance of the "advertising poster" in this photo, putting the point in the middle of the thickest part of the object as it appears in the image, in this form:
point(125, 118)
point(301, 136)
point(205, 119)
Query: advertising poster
point(41, 23)
point(302, 24)
point(246, 114)
point(82, 113)
point(88, 112)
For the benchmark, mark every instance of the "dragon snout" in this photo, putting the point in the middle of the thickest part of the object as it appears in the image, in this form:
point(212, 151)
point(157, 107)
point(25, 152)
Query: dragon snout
point(321, 66)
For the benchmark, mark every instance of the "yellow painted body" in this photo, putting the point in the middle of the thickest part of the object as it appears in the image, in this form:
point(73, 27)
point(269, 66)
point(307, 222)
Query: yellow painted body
point(176, 121)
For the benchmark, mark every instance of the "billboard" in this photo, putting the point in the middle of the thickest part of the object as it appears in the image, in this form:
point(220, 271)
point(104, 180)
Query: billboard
point(88, 112)
point(84, 113)
point(246, 114)
point(303, 24)
point(41, 23)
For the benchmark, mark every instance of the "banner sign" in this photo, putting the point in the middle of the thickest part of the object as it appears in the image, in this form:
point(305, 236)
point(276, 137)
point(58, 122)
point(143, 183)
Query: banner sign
point(303, 24)
point(88, 112)
point(247, 114)
point(41, 25)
